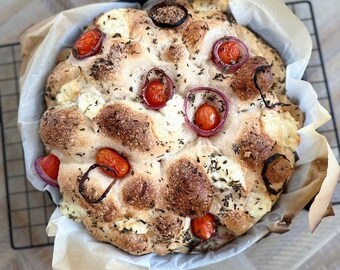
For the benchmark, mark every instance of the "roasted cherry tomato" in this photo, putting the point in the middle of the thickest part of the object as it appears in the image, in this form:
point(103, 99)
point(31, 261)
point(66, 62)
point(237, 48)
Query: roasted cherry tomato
point(89, 43)
point(110, 158)
point(229, 52)
point(50, 165)
point(155, 94)
point(204, 227)
point(207, 117)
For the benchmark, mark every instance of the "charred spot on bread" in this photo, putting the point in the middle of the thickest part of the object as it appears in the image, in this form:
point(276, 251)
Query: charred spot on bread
point(106, 66)
point(103, 67)
point(139, 193)
point(58, 128)
point(132, 129)
point(275, 172)
point(189, 193)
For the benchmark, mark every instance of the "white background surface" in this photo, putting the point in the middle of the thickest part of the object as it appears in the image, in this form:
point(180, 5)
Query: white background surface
point(297, 249)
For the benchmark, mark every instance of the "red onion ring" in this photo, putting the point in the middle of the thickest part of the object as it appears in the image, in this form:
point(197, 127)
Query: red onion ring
point(85, 177)
point(95, 50)
point(153, 14)
point(48, 180)
point(226, 68)
point(169, 87)
point(199, 131)
point(264, 171)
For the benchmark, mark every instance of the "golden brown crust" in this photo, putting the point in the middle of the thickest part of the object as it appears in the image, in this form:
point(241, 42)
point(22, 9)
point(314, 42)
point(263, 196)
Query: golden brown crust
point(140, 193)
point(238, 222)
point(255, 147)
point(194, 35)
point(130, 128)
point(174, 174)
point(132, 243)
point(58, 128)
point(167, 227)
point(189, 193)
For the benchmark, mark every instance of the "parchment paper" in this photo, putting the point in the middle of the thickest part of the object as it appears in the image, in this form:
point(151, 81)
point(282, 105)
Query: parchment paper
point(317, 170)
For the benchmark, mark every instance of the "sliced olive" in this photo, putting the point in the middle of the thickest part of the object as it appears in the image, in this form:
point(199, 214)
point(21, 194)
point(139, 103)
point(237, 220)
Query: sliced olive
point(275, 172)
point(168, 14)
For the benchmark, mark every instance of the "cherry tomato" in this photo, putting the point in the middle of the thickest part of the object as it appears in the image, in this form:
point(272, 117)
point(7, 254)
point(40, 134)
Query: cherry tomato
point(155, 94)
point(86, 45)
point(207, 117)
point(229, 52)
point(204, 227)
point(50, 165)
point(110, 158)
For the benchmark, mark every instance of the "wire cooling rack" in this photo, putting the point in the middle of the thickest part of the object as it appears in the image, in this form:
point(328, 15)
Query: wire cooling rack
point(28, 209)
point(315, 72)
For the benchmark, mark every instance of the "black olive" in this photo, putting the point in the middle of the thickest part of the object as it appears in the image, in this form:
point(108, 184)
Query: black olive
point(276, 170)
point(168, 14)
point(85, 177)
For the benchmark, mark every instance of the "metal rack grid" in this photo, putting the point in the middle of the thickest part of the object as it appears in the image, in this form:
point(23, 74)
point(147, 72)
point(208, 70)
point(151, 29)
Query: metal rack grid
point(28, 209)
point(315, 72)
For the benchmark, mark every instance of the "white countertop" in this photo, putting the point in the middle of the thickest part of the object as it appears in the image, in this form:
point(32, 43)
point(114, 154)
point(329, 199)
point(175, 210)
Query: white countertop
point(323, 245)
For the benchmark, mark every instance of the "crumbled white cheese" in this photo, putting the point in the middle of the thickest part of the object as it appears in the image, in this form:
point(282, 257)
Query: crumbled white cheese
point(223, 172)
point(69, 92)
point(113, 23)
point(257, 205)
point(132, 224)
point(172, 113)
point(90, 103)
point(281, 127)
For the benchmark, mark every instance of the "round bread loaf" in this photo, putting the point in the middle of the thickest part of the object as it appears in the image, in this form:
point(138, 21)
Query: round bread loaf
point(182, 191)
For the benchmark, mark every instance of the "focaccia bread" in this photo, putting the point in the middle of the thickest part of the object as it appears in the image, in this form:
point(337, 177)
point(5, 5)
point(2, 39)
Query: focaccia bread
point(148, 174)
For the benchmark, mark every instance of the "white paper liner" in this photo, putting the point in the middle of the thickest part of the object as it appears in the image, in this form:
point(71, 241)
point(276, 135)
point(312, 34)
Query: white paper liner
point(74, 248)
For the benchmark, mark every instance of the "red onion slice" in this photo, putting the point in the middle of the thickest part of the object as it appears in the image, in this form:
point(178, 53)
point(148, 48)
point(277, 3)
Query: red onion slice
point(230, 68)
point(93, 50)
point(211, 96)
point(158, 74)
point(85, 177)
point(48, 180)
point(168, 14)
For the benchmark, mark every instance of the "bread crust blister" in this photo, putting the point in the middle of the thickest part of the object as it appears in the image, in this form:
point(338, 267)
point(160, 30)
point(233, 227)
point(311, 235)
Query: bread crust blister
point(175, 175)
